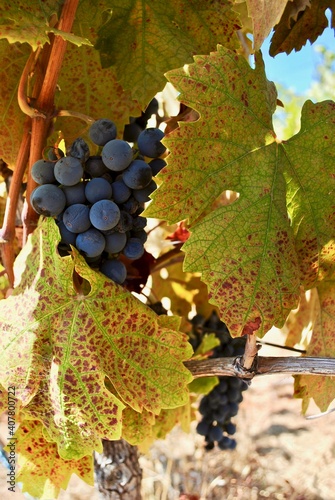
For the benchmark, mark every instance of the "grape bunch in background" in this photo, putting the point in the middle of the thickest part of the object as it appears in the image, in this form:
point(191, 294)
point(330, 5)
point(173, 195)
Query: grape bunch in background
point(97, 200)
point(218, 407)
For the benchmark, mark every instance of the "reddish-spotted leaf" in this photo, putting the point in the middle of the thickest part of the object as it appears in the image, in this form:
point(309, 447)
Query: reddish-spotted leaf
point(256, 252)
point(42, 471)
point(62, 342)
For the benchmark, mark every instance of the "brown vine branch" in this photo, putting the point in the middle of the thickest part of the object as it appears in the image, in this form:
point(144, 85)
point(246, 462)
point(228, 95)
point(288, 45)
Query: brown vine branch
point(22, 97)
point(222, 367)
point(7, 232)
point(45, 91)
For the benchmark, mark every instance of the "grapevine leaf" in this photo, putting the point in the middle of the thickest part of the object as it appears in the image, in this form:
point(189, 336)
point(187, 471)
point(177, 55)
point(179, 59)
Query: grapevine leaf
point(301, 21)
point(28, 22)
point(42, 471)
point(264, 17)
point(13, 59)
point(136, 427)
point(68, 342)
point(256, 252)
point(203, 385)
point(246, 248)
point(144, 39)
point(299, 322)
point(320, 388)
point(310, 206)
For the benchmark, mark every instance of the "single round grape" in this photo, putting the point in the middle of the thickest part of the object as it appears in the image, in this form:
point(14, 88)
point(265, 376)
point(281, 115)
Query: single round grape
point(156, 165)
point(215, 433)
point(67, 236)
point(95, 167)
point(98, 189)
point(203, 428)
point(42, 172)
point(48, 200)
point(76, 218)
point(104, 214)
point(139, 223)
point(143, 195)
point(75, 194)
point(141, 235)
point(102, 131)
point(115, 242)
point(138, 175)
point(149, 142)
point(115, 270)
point(117, 155)
point(121, 192)
point(68, 171)
point(91, 242)
point(55, 154)
point(131, 205)
point(134, 249)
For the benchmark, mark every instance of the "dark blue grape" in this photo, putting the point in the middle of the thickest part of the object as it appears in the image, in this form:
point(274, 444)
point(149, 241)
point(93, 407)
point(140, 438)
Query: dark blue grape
point(121, 192)
point(138, 175)
point(203, 428)
point(143, 195)
point(91, 242)
point(75, 194)
point(139, 223)
point(149, 142)
point(115, 242)
point(48, 200)
point(102, 131)
point(104, 215)
point(141, 235)
point(117, 155)
point(95, 167)
point(215, 433)
point(115, 270)
point(226, 443)
point(98, 189)
point(43, 172)
point(134, 249)
point(55, 154)
point(76, 218)
point(67, 236)
point(230, 428)
point(68, 171)
point(156, 165)
point(131, 205)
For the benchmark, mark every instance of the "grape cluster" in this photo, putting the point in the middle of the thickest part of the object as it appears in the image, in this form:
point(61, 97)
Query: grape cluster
point(219, 406)
point(97, 200)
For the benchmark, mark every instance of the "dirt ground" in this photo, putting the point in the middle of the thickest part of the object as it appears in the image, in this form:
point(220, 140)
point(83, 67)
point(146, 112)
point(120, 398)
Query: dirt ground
point(280, 455)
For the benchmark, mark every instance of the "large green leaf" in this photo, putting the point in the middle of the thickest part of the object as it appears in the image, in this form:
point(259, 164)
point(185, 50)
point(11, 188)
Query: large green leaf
point(144, 39)
point(62, 342)
point(249, 252)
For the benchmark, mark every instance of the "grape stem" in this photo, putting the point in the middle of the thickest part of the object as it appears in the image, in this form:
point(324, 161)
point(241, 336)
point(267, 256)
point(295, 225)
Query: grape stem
point(75, 114)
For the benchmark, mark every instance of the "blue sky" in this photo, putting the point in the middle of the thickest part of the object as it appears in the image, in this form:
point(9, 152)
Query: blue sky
point(296, 70)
